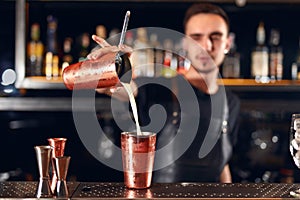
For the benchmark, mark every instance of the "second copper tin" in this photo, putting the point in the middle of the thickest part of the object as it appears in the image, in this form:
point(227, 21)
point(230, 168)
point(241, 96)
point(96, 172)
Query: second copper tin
point(138, 158)
point(58, 145)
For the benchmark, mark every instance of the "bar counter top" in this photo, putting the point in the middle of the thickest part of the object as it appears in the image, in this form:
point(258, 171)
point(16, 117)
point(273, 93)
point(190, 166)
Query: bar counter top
point(94, 190)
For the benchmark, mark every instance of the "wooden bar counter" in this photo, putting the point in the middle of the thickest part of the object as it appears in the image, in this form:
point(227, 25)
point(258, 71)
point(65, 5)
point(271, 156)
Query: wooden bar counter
point(94, 190)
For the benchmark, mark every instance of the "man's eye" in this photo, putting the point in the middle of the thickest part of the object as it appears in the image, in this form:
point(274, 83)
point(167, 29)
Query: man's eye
point(215, 37)
point(196, 38)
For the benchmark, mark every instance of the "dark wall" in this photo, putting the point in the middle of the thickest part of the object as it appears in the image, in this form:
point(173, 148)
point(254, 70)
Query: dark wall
point(7, 33)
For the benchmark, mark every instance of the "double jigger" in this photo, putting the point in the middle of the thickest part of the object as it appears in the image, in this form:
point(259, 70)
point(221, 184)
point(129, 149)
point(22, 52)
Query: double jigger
point(54, 152)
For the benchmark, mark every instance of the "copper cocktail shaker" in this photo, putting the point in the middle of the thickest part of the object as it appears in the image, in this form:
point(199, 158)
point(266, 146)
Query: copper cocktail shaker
point(43, 155)
point(58, 145)
point(104, 72)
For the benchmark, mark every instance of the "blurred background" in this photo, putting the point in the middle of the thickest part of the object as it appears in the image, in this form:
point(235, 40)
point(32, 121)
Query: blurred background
point(31, 114)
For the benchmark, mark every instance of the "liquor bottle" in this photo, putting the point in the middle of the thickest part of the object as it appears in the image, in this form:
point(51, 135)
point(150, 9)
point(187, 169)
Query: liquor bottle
point(169, 62)
point(48, 64)
point(100, 32)
point(260, 57)
point(294, 71)
point(35, 50)
point(84, 46)
point(276, 56)
point(67, 58)
point(181, 55)
point(129, 38)
point(139, 56)
point(231, 65)
point(52, 34)
point(158, 54)
point(52, 47)
point(150, 54)
point(114, 36)
point(183, 62)
point(55, 66)
point(296, 64)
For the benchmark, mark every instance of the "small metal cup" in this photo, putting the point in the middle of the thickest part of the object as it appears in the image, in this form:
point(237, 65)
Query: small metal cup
point(58, 145)
point(61, 165)
point(43, 155)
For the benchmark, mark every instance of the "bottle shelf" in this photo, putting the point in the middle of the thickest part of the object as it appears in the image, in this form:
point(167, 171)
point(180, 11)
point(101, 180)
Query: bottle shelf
point(248, 85)
point(252, 82)
point(32, 82)
point(41, 82)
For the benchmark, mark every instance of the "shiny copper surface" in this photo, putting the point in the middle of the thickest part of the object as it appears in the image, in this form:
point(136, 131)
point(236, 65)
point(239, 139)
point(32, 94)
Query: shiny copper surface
point(61, 165)
point(90, 74)
point(43, 155)
point(138, 159)
point(58, 145)
point(134, 194)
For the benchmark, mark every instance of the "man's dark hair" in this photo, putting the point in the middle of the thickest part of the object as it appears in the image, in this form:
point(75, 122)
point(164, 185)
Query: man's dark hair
point(206, 8)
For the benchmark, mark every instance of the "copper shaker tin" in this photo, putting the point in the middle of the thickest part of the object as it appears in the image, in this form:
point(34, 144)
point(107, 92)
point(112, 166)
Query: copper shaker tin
point(103, 72)
point(138, 153)
point(58, 145)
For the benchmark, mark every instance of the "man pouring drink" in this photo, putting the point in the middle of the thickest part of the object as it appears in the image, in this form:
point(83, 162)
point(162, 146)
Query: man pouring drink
point(199, 118)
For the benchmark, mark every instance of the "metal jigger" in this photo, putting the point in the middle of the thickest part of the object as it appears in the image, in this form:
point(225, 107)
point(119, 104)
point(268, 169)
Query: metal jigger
point(61, 165)
point(43, 155)
point(58, 145)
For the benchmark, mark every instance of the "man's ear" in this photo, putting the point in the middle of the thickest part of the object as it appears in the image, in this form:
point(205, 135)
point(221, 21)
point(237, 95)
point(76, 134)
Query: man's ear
point(228, 44)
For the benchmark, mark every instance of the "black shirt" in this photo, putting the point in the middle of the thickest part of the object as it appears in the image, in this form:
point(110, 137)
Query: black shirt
point(195, 131)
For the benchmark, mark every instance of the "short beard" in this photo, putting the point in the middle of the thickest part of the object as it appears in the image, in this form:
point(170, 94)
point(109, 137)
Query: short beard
point(205, 71)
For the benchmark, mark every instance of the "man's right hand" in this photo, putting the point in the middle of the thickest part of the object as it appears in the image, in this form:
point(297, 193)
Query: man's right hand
point(117, 92)
point(106, 48)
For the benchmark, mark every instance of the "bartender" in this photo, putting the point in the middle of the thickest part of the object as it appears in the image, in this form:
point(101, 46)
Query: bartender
point(214, 110)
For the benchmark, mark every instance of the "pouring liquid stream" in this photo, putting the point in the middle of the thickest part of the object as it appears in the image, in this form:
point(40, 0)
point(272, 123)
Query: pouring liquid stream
point(127, 85)
point(133, 107)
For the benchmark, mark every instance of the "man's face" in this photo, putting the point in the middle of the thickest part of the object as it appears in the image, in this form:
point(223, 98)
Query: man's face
point(211, 33)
